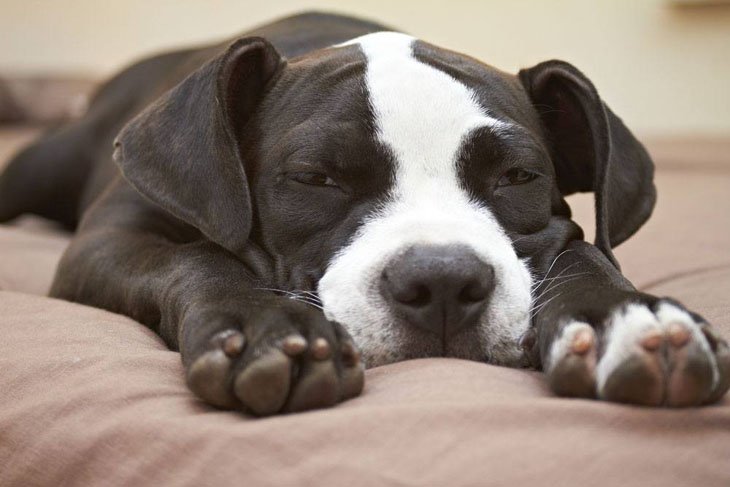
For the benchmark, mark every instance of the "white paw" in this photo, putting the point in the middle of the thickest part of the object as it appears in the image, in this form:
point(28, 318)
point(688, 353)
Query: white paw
point(646, 355)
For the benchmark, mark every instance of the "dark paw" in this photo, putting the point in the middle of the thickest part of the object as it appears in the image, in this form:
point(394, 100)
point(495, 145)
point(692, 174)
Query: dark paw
point(649, 355)
point(273, 359)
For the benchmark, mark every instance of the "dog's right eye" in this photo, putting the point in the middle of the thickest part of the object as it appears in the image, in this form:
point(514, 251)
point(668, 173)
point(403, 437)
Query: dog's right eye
point(516, 176)
point(313, 179)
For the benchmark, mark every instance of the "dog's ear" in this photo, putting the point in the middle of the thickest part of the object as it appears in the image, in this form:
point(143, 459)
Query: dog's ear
point(182, 152)
point(592, 150)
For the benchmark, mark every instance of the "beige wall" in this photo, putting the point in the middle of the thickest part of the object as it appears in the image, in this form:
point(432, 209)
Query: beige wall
point(665, 70)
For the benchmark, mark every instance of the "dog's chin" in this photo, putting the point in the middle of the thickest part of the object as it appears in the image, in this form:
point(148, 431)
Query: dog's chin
point(400, 342)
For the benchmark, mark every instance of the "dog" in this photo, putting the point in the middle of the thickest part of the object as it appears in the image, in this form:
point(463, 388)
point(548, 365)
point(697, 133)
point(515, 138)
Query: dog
point(324, 193)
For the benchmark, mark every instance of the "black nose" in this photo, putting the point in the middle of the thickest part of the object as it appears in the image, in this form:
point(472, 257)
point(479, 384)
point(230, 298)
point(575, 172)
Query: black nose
point(442, 289)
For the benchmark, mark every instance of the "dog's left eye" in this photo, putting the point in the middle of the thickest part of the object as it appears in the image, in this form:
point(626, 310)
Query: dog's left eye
point(313, 179)
point(516, 176)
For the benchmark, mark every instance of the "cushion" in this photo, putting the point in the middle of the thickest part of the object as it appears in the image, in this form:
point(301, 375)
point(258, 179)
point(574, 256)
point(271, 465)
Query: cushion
point(91, 397)
point(94, 398)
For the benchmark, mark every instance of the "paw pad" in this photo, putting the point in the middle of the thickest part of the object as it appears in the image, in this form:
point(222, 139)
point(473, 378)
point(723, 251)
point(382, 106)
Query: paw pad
point(276, 370)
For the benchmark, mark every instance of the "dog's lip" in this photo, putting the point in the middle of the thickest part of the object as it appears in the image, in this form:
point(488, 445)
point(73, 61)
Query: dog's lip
point(444, 349)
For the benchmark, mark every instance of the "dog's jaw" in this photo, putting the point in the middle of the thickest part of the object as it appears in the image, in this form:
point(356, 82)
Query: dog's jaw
point(424, 116)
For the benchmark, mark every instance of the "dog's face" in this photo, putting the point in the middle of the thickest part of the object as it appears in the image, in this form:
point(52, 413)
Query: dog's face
point(393, 188)
point(416, 190)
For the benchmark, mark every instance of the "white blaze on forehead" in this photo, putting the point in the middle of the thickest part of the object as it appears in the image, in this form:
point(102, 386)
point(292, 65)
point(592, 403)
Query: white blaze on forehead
point(422, 114)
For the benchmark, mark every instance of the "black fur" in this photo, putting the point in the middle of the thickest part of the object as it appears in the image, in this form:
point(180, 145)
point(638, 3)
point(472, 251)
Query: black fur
point(199, 218)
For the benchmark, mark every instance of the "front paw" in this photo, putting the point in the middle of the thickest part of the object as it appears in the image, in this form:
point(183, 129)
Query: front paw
point(270, 358)
point(649, 353)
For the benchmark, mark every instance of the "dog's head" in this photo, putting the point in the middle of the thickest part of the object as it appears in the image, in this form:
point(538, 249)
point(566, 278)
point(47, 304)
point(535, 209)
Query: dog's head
point(418, 191)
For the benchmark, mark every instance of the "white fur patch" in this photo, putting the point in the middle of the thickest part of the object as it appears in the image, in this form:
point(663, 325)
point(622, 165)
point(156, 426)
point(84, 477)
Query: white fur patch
point(627, 327)
point(668, 313)
point(561, 347)
point(424, 116)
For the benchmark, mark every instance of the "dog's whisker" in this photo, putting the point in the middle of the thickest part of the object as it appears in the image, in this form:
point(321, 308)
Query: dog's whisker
point(536, 286)
point(308, 293)
point(556, 259)
point(556, 285)
point(535, 310)
point(301, 300)
point(561, 273)
point(271, 289)
point(553, 282)
point(309, 296)
point(303, 291)
point(297, 296)
point(553, 287)
point(520, 238)
point(307, 299)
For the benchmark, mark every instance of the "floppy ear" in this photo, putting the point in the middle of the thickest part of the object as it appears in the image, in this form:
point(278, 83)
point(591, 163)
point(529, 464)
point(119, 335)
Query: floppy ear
point(182, 152)
point(592, 150)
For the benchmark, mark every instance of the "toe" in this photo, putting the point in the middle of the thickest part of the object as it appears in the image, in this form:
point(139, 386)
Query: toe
point(637, 380)
point(721, 351)
point(350, 354)
point(690, 378)
point(353, 371)
point(632, 368)
point(690, 364)
point(317, 387)
point(263, 385)
point(571, 369)
point(208, 378)
point(353, 381)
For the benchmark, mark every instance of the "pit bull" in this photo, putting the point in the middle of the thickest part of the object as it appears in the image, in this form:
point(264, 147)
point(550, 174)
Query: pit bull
point(324, 194)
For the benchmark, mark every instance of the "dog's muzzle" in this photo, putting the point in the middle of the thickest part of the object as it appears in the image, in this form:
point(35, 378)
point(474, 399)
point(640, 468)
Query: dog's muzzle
point(442, 289)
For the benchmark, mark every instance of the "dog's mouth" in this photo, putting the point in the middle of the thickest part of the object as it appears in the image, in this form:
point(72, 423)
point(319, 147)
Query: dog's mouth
point(405, 340)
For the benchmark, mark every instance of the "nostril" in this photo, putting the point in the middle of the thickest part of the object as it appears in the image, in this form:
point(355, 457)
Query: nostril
point(474, 292)
point(406, 291)
point(479, 288)
point(416, 296)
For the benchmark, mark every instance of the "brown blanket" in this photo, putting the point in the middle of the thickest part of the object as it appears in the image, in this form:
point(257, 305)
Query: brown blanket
point(93, 398)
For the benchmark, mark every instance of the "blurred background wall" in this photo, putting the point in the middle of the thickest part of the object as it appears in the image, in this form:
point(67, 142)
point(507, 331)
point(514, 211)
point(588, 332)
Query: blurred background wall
point(664, 68)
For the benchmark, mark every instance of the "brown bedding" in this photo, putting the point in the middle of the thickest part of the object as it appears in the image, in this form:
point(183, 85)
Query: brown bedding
point(93, 398)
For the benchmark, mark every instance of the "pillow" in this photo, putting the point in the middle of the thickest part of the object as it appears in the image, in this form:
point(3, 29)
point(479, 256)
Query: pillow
point(94, 398)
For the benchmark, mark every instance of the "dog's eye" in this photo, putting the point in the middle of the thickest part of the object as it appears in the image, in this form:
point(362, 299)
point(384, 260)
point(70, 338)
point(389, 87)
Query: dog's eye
point(313, 179)
point(516, 176)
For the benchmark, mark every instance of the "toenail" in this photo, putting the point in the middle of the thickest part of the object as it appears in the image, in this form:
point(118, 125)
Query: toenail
point(294, 345)
point(321, 349)
point(678, 335)
point(582, 342)
point(233, 345)
point(652, 342)
point(527, 341)
point(350, 355)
